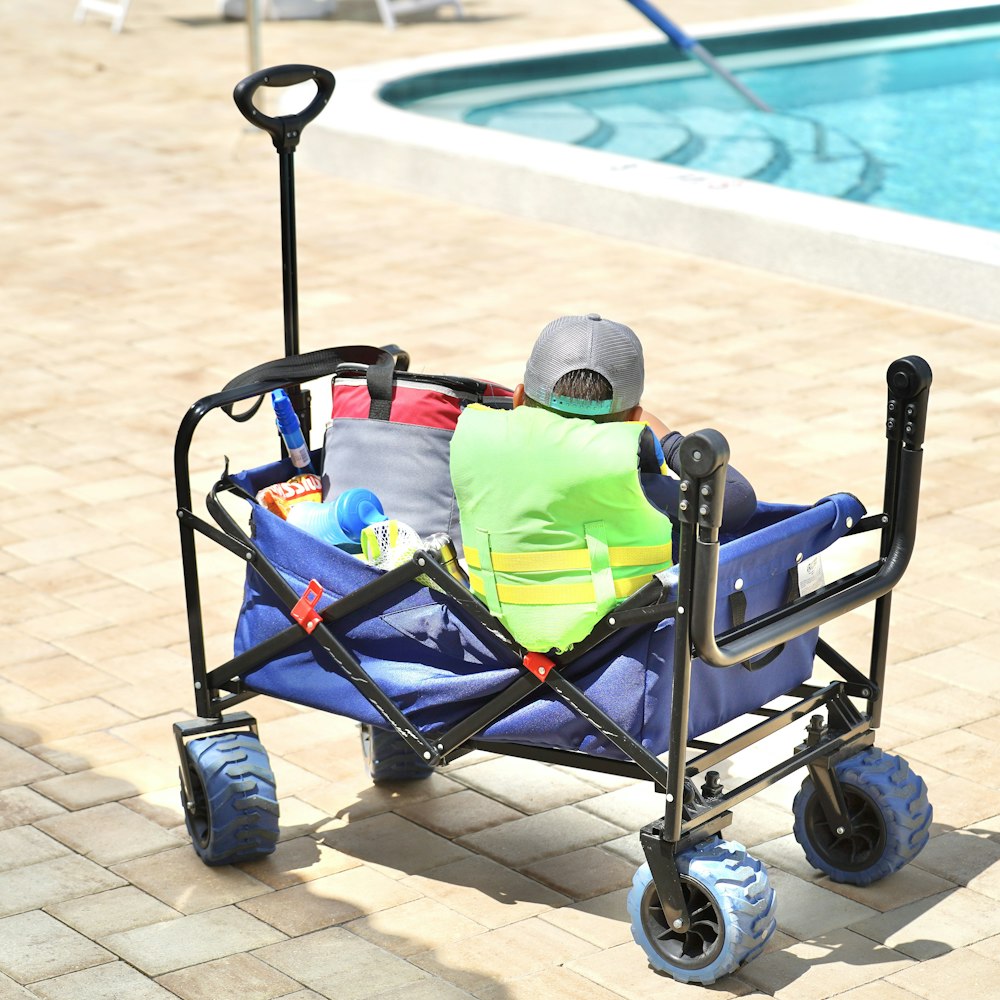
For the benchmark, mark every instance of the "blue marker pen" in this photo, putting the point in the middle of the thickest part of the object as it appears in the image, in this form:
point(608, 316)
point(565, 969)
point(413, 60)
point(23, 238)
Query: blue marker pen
point(291, 431)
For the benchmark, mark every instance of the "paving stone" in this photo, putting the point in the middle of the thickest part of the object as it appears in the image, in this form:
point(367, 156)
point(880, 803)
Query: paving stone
point(164, 947)
point(485, 891)
point(162, 807)
point(36, 946)
point(628, 847)
point(560, 983)
point(354, 799)
point(17, 700)
point(509, 952)
point(182, 880)
point(238, 977)
point(57, 721)
point(115, 979)
point(824, 966)
point(905, 886)
point(110, 782)
point(458, 814)
point(59, 678)
point(63, 877)
point(24, 845)
point(955, 751)
point(104, 913)
point(298, 819)
point(527, 786)
point(414, 927)
point(426, 989)
point(308, 729)
point(300, 860)
point(9, 990)
point(603, 920)
point(80, 753)
point(805, 910)
point(109, 834)
point(583, 874)
point(630, 807)
point(990, 947)
point(340, 966)
point(329, 900)
point(879, 990)
point(934, 926)
point(966, 859)
point(18, 767)
point(625, 970)
point(523, 841)
point(959, 973)
point(393, 845)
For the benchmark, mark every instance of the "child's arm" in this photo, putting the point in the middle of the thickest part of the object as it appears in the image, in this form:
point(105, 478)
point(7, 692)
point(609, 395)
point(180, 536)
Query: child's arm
point(658, 427)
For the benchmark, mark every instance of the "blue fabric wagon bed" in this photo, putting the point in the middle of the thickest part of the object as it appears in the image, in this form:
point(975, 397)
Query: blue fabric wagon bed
point(418, 646)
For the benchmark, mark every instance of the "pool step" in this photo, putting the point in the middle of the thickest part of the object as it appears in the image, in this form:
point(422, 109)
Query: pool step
point(777, 148)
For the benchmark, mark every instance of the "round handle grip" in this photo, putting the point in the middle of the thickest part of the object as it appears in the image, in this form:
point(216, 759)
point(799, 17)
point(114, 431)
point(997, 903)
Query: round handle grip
point(284, 130)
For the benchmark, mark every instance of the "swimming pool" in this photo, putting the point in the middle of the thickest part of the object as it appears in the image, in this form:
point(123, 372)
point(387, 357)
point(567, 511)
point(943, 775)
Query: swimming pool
point(372, 132)
point(913, 125)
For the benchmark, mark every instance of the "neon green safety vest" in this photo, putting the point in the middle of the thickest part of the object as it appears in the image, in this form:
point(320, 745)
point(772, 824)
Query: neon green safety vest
point(556, 527)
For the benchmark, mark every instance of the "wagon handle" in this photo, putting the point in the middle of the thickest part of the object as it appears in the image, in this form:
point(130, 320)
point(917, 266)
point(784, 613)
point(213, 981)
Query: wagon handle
point(284, 130)
point(703, 462)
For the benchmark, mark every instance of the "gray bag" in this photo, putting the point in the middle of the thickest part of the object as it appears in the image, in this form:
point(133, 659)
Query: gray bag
point(391, 432)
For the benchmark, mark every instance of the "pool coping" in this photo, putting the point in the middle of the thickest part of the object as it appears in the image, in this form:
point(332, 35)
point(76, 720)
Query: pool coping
point(875, 251)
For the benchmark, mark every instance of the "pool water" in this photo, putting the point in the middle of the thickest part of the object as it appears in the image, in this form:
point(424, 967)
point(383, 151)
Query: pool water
point(904, 122)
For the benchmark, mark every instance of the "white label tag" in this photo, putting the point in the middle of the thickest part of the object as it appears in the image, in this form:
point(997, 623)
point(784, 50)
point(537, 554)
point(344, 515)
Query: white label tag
point(810, 575)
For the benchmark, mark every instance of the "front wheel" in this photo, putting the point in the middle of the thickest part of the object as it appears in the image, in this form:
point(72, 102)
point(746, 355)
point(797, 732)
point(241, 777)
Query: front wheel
point(731, 907)
point(233, 815)
point(890, 819)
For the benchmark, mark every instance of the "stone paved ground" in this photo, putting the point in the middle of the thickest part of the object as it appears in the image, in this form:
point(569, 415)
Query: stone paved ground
point(140, 271)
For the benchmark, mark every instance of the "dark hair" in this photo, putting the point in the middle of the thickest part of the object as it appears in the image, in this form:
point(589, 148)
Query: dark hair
point(582, 383)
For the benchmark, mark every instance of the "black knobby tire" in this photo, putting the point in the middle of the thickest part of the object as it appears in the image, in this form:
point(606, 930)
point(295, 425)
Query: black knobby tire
point(890, 819)
point(389, 758)
point(731, 907)
point(234, 813)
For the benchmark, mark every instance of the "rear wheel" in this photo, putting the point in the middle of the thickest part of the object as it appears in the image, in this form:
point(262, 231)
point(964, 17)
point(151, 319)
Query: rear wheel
point(731, 907)
point(233, 815)
point(388, 757)
point(889, 813)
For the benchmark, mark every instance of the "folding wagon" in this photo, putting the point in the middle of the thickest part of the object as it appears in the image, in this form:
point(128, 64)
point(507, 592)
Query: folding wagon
point(724, 639)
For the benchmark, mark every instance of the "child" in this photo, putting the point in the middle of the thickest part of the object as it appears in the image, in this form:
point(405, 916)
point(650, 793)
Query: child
point(563, 500)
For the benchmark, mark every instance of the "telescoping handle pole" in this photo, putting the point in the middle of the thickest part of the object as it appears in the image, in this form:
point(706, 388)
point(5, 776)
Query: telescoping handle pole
point(285, 132)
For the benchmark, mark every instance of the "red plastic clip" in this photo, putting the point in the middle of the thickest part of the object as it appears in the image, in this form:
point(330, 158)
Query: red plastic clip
point(541, 666)
point(305, 612)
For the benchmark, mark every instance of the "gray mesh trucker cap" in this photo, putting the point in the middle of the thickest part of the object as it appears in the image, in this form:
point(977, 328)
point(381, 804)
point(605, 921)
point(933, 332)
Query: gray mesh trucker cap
point(586, 342)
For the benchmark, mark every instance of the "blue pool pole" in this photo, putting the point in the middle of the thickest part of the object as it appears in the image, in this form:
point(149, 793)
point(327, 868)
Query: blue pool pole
point(692, 47)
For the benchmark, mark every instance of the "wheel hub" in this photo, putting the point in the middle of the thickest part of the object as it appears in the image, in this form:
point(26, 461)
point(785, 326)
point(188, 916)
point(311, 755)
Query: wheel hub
point(701, 943)
point(857, 849)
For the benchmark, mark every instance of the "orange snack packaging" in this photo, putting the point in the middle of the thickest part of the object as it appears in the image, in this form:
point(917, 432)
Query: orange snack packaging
point(281, 497)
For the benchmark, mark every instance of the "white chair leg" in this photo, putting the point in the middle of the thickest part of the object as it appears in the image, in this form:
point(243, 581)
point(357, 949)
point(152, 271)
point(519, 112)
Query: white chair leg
point(385, 12)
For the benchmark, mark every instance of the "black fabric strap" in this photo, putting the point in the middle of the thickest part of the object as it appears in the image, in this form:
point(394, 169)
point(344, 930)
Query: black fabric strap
point(303, 368)
point(380, 377)
point(738, 610)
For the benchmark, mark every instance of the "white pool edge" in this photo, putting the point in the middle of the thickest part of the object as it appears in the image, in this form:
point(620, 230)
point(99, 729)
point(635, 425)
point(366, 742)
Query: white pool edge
point(887, 254)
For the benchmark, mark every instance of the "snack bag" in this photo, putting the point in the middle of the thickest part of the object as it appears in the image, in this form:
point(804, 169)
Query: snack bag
point(281, 497)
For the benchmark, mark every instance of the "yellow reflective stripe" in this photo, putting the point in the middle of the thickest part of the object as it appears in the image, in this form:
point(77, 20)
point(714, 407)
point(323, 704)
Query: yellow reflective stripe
point(569, 559)
point(554, 594)
point(639, 555)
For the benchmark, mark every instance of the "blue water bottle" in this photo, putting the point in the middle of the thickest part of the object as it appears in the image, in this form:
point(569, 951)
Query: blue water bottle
point(291, 431)
point(339, 522)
